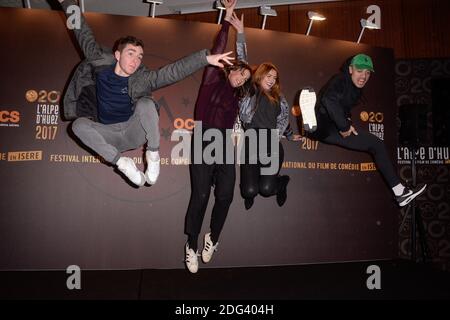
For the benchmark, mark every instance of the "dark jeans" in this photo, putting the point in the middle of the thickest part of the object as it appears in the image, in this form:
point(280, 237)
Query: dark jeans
point(252, 181)
point(203, 177)
point(367, 142)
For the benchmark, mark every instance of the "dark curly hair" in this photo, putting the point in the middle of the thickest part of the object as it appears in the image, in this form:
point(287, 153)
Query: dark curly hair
point(246, 86)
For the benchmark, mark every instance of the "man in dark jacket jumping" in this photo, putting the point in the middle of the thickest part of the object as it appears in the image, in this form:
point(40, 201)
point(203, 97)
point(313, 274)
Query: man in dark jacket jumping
point(109, 97)
point(330, 122)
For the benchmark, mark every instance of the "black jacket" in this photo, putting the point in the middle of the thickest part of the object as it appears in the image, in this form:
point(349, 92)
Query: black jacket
point(334, 104)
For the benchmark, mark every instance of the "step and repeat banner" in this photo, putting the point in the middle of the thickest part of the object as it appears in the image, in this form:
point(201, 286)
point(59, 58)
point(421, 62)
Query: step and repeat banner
point(426, 83)
point(61, 205)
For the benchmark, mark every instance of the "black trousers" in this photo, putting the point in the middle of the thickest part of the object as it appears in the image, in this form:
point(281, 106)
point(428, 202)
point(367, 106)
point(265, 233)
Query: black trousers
point(367, 142)
point(252, 181)
point(203, 177)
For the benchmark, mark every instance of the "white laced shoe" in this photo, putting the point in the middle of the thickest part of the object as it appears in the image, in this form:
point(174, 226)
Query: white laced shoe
point(152, 172)
point(208, 248)
point(191, 259)
point(128, 168)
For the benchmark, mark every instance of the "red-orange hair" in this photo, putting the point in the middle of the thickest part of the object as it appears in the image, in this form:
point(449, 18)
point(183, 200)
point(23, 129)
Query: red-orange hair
point(261, 71)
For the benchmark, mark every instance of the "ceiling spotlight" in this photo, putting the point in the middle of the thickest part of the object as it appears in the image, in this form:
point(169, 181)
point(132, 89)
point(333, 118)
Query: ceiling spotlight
point(314, 16)
point(266, 11)
point(219, 6)
point(153, 5)
point(366, 25)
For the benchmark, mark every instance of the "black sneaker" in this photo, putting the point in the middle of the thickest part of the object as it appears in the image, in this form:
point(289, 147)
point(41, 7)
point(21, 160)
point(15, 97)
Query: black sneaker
point(282, 191)
point(410, 194)
point(307, 103)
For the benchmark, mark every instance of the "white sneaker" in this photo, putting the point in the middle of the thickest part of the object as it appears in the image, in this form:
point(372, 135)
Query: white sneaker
point(307, 102)
point(191, 259)
point(152, 172)
point(208, 248)
point(128, 168)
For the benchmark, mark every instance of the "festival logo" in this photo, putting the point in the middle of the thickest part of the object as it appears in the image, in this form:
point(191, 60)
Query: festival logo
point(47, 112)
point(375, 122)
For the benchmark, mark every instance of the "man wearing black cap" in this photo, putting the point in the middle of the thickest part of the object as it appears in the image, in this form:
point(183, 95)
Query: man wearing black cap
point(330, 122)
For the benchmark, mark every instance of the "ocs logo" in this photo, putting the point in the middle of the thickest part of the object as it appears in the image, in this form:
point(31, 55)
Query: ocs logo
point(187, 124)
point(9, 116)
point(377, 117)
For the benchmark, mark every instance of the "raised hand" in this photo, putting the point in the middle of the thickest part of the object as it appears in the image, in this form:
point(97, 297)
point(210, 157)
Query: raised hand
point(229, 4)
point(229, 8)
point(296, 137)
point(214, 59)
point(236, 23)
point(349, 132)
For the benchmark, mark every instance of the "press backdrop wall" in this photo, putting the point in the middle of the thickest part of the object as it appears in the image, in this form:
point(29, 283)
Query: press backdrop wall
point(60, 206)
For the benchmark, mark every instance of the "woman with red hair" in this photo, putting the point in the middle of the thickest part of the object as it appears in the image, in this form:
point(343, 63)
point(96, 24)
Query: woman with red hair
point(264, 114)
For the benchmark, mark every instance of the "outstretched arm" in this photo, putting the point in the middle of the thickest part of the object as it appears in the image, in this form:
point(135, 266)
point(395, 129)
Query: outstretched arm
point(211, 74)
point(183, 68)
point(221, 40)
point(241, 46)
point(84, 35)
point(229, 8)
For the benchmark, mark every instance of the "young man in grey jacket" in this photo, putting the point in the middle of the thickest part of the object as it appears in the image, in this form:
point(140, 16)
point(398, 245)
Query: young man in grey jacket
point(109, 97)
